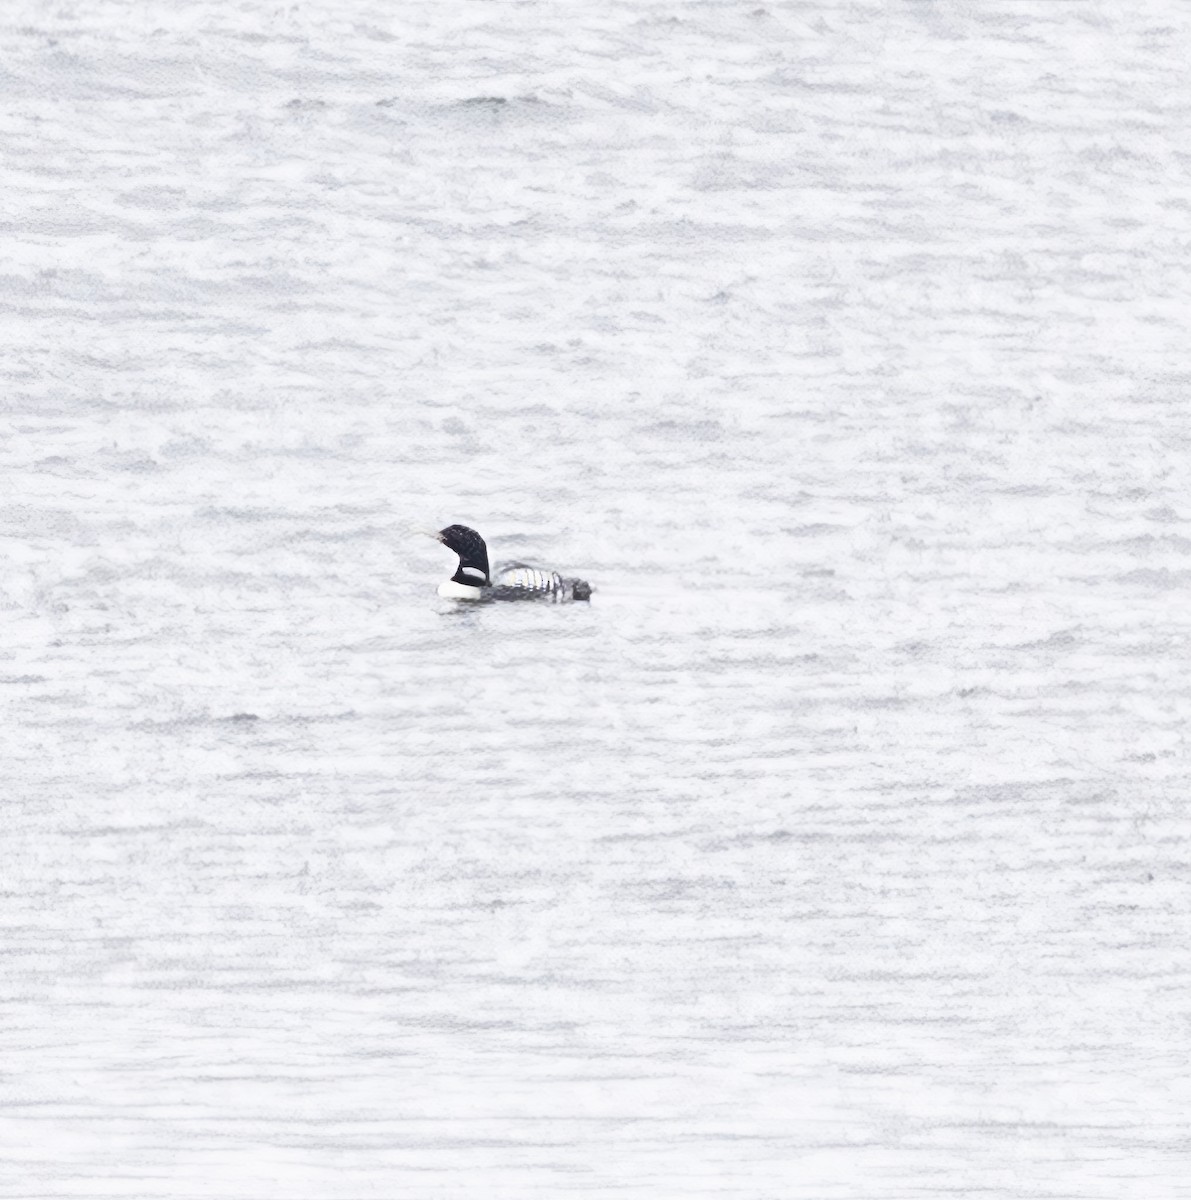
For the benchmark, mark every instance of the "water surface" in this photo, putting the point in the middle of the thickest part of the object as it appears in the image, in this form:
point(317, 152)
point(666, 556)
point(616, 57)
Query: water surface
point(837, 849)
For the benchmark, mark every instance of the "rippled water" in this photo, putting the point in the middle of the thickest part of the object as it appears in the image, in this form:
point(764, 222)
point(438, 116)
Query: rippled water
point(838, 848)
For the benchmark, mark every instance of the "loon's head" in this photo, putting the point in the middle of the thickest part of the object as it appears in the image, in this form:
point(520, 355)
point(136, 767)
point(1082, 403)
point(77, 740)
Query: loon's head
point(472, 573)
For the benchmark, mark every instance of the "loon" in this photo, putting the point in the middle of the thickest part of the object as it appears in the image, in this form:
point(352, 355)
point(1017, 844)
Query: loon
point(514, 581)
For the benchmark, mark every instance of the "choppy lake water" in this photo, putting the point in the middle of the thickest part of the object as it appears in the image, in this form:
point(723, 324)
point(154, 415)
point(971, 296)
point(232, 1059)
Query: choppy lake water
point(838, 849)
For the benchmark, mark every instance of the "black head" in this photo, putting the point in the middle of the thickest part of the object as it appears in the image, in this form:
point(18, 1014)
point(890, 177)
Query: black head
point(471, 550)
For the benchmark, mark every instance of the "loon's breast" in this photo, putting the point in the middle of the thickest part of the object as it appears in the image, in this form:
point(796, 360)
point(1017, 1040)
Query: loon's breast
point(449, 589)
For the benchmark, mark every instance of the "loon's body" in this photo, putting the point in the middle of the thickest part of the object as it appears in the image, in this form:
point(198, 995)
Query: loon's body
point(513, 581)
